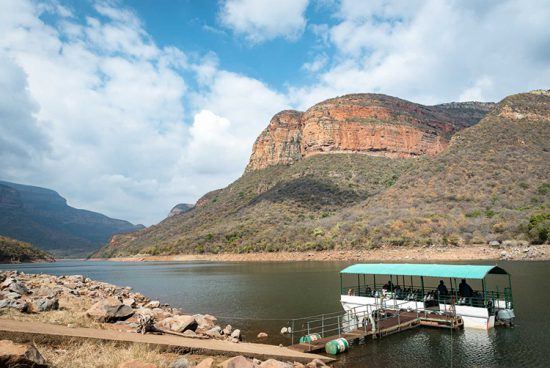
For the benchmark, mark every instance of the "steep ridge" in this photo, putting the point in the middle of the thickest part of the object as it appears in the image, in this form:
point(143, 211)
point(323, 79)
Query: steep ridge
point(42, 217)
point(286, 196)
point(373, 124)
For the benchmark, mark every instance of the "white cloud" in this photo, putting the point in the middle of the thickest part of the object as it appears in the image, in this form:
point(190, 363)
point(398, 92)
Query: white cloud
point(262, 20)
point(95, 110)
point(433, 51)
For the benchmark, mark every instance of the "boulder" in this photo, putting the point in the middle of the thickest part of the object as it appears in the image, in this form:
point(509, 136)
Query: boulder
point(109, 310)
point(190, 333)
point(238, 362)
point(18, 304)
point(262, 335)
point(227, 330)
point(7, 281)
point(18, 287)
point(14, 355)
point(214, 332)
point(494, 243)
point(153, 304)
point(10, 295)
point(178, 323)
point(205, 321)
point(180, 363)
point(206, 363)
point(236, 334)
point(136, 364)
point(315, 363)
point(45, 304)
point(272, 363)
point(131, 302)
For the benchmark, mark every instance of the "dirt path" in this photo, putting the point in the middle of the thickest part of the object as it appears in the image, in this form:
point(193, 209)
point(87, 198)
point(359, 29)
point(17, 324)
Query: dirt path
point(214, 347)
point(393, 254)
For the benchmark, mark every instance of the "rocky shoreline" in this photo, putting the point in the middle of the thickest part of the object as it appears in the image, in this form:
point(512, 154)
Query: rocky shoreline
point(78, 301)
point(507, 250)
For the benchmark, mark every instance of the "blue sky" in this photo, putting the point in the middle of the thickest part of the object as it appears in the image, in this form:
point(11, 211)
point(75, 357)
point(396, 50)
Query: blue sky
point(130, 107)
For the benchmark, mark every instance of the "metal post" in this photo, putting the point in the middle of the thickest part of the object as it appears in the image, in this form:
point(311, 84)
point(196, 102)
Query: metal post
point(483, 290)
point(358, 285)
point(292, 332)
point(322, 325)
point(510, 292)
point(374, 276)
point(422, 282)
point(341, 286)
point(338, 326)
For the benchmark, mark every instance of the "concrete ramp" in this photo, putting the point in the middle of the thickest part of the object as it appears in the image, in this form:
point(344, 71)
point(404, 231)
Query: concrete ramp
point(29, 331)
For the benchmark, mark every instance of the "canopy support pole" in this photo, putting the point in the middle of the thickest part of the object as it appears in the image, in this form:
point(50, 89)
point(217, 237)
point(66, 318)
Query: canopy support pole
point(341, 286)
point(422, 282)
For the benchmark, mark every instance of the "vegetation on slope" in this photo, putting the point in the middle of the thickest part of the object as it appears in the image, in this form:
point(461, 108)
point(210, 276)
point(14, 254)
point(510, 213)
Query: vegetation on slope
point(491, 183)
point(15, 251)
point(277, 208)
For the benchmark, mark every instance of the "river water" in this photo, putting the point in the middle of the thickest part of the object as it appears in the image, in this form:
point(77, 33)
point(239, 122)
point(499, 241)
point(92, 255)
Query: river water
point(264, 296)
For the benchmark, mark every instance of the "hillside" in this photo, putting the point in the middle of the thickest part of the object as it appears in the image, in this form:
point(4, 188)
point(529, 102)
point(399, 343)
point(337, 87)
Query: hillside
point(305, 202)
point(42, 217)
point(15, 251)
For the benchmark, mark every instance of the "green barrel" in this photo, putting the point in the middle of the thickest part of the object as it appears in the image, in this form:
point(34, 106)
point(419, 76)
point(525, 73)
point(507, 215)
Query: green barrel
point(310, 338)
point(337, 346)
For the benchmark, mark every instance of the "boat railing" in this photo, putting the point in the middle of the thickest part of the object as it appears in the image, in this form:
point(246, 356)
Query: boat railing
point(339, 323)
point(489, 298)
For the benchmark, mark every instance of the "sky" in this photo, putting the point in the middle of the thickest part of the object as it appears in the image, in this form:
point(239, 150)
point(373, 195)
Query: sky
point(130, 107)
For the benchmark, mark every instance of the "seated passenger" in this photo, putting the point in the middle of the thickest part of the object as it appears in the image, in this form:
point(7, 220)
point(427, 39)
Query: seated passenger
point(465, 290)
point(388, 286)
point(442, 290)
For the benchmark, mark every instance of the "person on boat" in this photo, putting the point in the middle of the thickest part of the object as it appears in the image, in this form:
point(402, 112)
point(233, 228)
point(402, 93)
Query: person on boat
point(465, 290)
point(388, 286)
point(442, 290)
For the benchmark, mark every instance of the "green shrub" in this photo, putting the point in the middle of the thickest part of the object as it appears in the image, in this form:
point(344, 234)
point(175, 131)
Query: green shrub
point(489, 213)
point(539, 228)
point(473, 214)
point(543, 189)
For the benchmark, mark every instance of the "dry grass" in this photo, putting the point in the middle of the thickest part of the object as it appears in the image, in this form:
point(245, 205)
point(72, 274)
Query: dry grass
point(93, 354)
point(72, 311)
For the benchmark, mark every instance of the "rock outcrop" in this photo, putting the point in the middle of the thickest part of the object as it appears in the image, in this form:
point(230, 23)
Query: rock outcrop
point(180, 208)
point(372, 124)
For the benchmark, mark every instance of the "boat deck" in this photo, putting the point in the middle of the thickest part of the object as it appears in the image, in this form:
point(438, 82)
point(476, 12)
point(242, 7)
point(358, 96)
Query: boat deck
point(394, 324)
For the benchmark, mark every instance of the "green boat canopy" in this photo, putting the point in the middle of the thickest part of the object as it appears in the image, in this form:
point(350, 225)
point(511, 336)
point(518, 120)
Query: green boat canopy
point(428, 270)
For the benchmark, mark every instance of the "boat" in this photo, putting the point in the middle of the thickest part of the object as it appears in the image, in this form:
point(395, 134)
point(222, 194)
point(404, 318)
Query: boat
point(482, 298)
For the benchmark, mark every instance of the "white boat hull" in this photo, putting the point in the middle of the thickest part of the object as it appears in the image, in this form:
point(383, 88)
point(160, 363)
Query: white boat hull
point(473, 317)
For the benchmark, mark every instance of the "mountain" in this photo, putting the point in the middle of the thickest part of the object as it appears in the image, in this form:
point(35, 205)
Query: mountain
point(418, 181)
point(42, 217)
point(180, 208)
point(15, 251)
point(372, 124)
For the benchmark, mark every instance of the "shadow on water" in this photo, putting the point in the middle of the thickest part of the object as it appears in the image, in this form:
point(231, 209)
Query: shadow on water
point(264, 296)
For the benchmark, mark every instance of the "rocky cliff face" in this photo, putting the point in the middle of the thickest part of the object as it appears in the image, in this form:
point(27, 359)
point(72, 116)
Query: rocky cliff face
point(372, 124)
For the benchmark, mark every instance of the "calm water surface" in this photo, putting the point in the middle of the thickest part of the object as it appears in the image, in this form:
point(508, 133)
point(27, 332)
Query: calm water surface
point(263, 296)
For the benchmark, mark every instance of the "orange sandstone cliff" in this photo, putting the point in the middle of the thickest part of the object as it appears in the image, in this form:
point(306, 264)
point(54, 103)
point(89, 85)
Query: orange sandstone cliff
point(371, 124)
